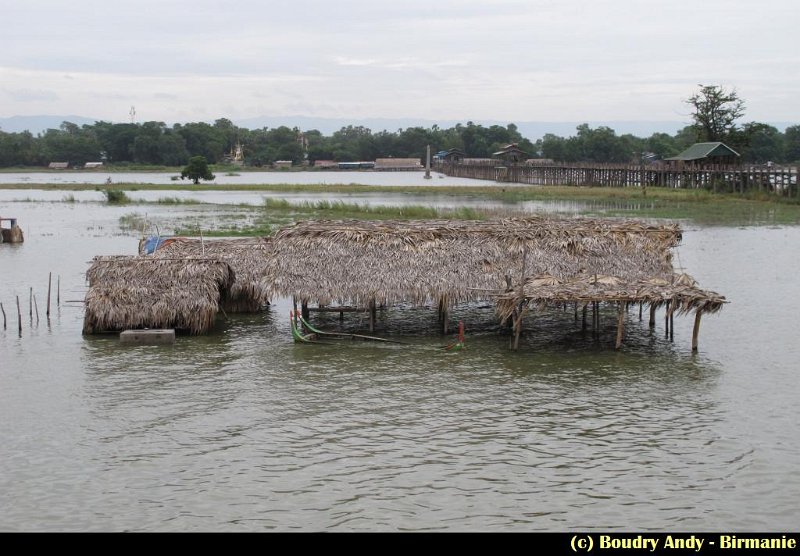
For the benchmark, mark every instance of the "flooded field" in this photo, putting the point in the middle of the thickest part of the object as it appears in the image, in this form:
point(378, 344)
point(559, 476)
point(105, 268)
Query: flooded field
point(243, 430)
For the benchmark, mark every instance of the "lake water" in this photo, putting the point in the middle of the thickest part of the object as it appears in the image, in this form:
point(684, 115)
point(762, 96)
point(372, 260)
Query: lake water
point(243, 430)
point(239, 178)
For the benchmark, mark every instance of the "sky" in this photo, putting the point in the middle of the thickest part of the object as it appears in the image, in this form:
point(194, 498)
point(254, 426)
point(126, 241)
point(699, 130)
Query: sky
point(508, 60)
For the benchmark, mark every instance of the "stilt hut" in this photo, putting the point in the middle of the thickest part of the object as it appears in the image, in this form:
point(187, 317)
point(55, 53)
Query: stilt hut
point(248, 257)
point(445, 263)
point(144, 292)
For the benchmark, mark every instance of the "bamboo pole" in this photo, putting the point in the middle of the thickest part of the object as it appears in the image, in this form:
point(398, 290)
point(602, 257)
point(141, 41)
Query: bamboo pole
point(30, 304)
point(58, 291)
point(36, 306)
point(19, 318)
point(49, 286)
point(671, 325)
point(620, 324)
point(518, 324)
point(666, 321)
point(4, 315)
point(696, 330)
point(372, 315)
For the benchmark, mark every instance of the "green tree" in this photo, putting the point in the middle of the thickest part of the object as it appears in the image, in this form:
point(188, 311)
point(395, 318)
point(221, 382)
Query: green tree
point(762, 143)
point(715, 111)
point(197, 170)
point(791, 138)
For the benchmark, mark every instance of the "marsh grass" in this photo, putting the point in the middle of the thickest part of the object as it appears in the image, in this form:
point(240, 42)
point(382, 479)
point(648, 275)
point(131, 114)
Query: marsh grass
point(116, 197)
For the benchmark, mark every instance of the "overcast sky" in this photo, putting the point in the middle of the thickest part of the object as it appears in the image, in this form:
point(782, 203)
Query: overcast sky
point(560, 60)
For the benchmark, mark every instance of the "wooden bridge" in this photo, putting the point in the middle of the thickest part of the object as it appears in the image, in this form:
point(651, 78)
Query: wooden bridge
point(777, 179)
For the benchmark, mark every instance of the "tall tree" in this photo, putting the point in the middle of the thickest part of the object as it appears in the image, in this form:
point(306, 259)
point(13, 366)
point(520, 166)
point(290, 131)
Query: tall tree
point(197, 170)
point(715, 112)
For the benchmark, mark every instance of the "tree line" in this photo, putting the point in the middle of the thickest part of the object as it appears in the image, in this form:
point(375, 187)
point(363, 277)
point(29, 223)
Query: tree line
point(715, 112)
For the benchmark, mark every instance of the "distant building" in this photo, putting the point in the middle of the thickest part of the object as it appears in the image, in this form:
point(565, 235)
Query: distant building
point(395, 164)
point(511, 154)
point(707, 153)
point(58, 165)
point(363, 165)
point(453, 155)
point(325, 164)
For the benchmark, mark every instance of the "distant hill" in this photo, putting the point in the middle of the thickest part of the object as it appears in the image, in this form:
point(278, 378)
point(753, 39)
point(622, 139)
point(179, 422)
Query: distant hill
point(39, 124)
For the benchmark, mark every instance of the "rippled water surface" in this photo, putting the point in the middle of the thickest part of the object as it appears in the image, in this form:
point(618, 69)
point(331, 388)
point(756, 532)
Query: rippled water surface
point(244, 430)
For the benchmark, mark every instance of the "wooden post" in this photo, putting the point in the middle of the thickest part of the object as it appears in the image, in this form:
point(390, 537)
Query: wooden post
point(518, 325)
point(30, 304)
point(620, 324)
point(583, 324)
point(696, 330)
point(58, 291)
point(671, 326)
point(666, 321)
point(576, 311)
point(19, 318)
point(304, 312)
point(372, 315)
point(652, 322)
point(36, 306)
point(49, 286)
point(4, 315)
point(640, 310)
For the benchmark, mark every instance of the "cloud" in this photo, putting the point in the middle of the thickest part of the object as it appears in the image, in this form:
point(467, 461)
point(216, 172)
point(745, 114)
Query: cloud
point(31, 95)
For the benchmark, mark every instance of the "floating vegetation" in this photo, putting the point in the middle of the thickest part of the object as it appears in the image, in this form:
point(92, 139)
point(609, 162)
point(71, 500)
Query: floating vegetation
point(116, 197)
point(133, 221)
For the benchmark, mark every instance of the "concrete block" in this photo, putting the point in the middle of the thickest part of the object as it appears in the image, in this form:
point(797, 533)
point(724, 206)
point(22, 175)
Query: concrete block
point(147, 337)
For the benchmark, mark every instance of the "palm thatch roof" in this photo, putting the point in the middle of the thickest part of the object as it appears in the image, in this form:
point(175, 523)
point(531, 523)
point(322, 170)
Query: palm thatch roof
point(680, 291)
point(427, 261)
point(248, 257)
point(138, 292)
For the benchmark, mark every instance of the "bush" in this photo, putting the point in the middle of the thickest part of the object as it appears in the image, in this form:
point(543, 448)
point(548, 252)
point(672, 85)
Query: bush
point(116, 197)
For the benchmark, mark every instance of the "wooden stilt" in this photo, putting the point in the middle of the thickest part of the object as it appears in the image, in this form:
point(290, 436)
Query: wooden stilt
point(49, 287)
point(4, 315)
point(304, 312)
point(621, 324)
point(36, 307)
point(576, 311)
point(640, 310)
point(666, 321)
point(696, 330)
point(518, 326)
point(671, 326)
point(583, 324)
point(58, 291)
point(652, 322)
point(19, 318)
point(372, 315)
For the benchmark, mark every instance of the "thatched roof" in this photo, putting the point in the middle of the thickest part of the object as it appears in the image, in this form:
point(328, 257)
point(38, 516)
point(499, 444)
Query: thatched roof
point(145, 292)
point(248, 257)
point(424, 261)
point(680, 290)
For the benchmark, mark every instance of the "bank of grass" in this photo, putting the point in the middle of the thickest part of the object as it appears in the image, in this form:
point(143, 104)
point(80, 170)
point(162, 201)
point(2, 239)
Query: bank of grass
point(698, 205)
point(276, 213)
